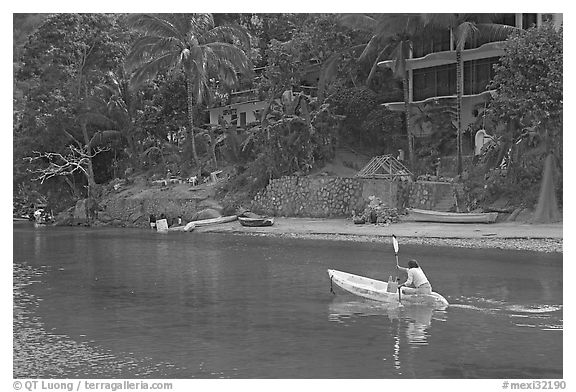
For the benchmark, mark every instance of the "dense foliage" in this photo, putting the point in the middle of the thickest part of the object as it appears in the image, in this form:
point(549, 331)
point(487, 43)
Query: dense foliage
point(137, 89)
point(529, 108)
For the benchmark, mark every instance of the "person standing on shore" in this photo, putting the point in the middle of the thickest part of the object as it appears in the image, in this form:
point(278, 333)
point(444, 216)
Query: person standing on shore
point(417, 282)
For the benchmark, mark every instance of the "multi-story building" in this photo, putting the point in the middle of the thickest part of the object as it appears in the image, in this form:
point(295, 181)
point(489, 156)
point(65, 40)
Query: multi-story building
point(244, 107)
point(432, 68)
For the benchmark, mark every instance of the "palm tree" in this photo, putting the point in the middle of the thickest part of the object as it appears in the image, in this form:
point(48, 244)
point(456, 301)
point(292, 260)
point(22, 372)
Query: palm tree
point(465, 28)
point(391, 37)
point(192, 44)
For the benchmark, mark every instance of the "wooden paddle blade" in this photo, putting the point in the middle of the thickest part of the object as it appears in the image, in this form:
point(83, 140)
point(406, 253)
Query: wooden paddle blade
point(395, 243)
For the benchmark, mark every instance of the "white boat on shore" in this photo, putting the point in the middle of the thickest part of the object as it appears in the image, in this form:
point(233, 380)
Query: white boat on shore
point(377, 290)
point(418, 215)
point(212, 221)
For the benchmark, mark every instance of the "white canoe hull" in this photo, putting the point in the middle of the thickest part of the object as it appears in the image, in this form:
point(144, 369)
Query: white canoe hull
point(452, 217)
point(212, 221)
point(377, 290)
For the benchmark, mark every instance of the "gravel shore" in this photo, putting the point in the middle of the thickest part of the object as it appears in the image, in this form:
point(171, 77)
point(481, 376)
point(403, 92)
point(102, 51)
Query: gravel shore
point(537, 245)
point(538, 238)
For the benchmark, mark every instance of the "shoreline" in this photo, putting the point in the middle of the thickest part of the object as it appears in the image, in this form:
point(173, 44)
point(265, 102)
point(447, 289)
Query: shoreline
point(546, 245)
point(547, 238)
point(523, 237)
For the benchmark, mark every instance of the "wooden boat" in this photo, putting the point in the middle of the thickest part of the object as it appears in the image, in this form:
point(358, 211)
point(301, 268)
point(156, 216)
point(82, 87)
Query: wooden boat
point(452, 217)
point(255, 222)
point(212, 221)
point(188, 227)
point(377, 290)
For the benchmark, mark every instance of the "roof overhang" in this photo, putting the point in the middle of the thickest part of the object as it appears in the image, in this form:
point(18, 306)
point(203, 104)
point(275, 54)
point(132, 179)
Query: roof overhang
point(490, 49)
point(399, 106)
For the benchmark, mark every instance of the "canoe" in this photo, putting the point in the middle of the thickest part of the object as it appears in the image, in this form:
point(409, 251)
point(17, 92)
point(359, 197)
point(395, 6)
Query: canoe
point(188, 227)
point(255, 222)
point(212, 221)
point(377, 290)
point(452, 217)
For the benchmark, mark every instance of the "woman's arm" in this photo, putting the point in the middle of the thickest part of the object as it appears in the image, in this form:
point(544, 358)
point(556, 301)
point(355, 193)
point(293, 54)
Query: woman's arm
point(409, 280)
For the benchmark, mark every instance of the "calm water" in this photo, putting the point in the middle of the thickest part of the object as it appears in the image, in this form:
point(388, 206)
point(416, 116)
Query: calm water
point(213, 305)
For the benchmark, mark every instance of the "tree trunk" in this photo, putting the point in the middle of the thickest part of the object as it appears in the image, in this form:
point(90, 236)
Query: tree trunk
point(190, 101)
point(405, 86)
point(459, 93)
point(89, 168)
point(547, 208)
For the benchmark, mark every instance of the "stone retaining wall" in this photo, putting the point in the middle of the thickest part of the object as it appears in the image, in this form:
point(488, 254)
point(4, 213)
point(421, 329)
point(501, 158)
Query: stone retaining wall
point(322, 197)
point(309, 197)
point(325, 197)
point(427, 194)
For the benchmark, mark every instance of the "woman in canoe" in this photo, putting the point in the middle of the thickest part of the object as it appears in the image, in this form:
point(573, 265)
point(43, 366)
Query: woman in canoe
point(417, 282)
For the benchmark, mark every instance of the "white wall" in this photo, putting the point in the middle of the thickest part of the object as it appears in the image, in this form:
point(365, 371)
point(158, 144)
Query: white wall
point(249, 108)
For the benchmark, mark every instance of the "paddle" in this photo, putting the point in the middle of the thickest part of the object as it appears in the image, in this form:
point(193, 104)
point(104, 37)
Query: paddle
point(395, 243)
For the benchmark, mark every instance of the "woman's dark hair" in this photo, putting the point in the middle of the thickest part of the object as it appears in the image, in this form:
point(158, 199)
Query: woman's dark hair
point(413, 264)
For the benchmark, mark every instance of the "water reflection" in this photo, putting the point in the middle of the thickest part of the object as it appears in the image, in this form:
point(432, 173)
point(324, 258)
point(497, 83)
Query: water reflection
point(408, 327)
point(416, 319)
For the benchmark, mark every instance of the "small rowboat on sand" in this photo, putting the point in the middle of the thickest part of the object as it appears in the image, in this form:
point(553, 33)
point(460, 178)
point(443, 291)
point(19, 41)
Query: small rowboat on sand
point(255, 222)
point(377, 290)
point(451, 217)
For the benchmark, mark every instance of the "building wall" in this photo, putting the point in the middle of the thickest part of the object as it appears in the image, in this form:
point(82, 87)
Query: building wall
point(249, 108)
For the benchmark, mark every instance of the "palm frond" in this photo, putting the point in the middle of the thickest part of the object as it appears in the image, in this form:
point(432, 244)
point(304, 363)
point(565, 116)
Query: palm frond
point(357, 22)
point(374, 67)
point(155, 25)
point(329, 69)
point(148, 47)
point(199, 24)
point(228, 33)
point(400, 54)
point(496, 32)
point(233, 54)
point(465, 32)
point(148, 70)
point(370, 48)
point(446, 20)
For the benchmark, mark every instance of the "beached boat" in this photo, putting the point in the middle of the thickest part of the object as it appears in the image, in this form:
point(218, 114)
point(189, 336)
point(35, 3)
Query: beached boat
point(255, 222)
point(377, 290)
point(451, 217)
point(188, 227)
point(212, 221)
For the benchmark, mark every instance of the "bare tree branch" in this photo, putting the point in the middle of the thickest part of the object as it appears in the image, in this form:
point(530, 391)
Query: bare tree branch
point(63, 165)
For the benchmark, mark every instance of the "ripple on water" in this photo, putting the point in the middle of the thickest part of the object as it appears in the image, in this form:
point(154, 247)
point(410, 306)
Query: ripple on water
point(41, 354)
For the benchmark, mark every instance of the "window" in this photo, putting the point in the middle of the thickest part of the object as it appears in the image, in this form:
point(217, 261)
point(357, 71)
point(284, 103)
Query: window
point(441, 80)
point(242, 119)
point(434, 81)
point(506, 19)
point(529, 20)
point(477, 75)
point(547, 18)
